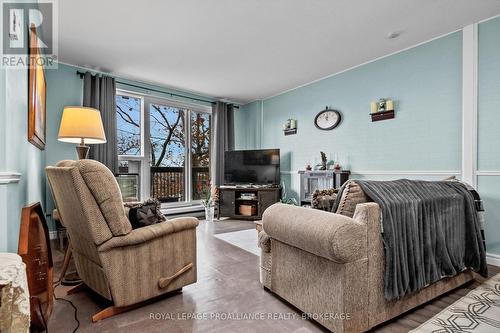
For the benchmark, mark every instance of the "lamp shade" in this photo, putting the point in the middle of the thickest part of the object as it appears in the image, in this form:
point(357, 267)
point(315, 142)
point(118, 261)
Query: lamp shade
point(79, 122)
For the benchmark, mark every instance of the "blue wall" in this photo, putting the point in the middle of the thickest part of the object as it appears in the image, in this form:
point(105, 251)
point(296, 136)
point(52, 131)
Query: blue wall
point(425, 137)
point(64, 88)
point(425, 83)
point(488, 127)
point(17, 155)
point(247, 124)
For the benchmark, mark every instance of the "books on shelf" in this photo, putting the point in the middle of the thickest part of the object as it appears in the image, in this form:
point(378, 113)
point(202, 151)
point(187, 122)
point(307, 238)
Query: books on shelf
point(248, 196)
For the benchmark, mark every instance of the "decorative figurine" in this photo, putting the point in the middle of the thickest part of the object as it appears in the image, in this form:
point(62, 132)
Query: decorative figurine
point(381, 104)
point(308, 166)
point(323, 161)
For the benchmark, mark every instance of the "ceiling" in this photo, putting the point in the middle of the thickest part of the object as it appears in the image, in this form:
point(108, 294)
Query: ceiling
point(243, 50)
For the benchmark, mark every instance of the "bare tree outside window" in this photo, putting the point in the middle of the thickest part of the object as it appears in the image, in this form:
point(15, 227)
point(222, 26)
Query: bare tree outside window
point(167, 137)
point(200, 139)
point(200, 154)
point(128, 121)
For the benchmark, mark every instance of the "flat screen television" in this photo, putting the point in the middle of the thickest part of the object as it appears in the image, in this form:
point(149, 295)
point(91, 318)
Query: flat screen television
point(259, 167)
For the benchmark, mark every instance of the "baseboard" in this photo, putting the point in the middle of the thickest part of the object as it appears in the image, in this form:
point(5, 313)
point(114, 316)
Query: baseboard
point(192, 214)
point(53, 234)
point(182, 209)
point(493, 259)
point(442, 173)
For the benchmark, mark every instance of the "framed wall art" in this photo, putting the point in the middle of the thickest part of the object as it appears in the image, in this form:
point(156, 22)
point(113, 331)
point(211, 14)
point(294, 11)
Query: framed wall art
point(36, 93)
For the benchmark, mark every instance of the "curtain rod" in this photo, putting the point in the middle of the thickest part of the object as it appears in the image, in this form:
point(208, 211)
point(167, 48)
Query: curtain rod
point(81, 74)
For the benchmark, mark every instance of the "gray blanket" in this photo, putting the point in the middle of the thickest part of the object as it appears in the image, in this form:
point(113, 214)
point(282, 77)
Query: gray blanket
point(430, 230)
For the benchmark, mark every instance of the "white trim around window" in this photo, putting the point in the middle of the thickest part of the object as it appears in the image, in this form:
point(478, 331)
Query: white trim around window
point(121, 92)
point(177, 104)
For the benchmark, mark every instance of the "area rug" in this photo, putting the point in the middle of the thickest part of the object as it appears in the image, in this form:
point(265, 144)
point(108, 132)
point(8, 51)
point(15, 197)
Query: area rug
point(478, 311)
point(244, 239)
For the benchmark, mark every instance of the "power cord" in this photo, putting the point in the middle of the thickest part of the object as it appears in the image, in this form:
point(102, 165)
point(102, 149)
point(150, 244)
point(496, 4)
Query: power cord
point(57, 284)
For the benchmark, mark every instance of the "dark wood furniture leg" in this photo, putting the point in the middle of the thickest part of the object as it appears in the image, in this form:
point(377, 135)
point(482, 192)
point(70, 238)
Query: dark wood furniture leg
point(79, 287)
point(72, 279)
point(67, 258)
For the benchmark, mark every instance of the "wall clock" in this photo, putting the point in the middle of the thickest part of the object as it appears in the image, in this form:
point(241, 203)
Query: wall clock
point(327, 119)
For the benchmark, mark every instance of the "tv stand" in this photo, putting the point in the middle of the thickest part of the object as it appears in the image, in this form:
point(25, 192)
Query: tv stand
point(255, 199)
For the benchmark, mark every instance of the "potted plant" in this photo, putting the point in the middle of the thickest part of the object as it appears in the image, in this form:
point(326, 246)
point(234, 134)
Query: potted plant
point(208, 201)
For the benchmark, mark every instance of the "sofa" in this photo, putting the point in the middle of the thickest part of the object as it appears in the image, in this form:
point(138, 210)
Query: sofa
point(331, 265)
point(124, 265)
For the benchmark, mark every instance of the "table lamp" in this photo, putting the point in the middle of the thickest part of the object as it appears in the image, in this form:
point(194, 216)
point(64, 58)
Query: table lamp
point(81, 125)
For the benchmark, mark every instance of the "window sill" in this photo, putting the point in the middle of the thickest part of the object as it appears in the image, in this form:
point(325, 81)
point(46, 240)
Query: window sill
point(174, 210)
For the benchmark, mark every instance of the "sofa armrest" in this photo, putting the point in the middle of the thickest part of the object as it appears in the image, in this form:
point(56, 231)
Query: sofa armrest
point(332, 236)
point(368, 213)
point(145, 234)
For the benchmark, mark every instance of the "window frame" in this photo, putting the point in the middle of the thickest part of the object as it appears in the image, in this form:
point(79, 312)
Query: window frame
point(121, 92)
point(145, 157)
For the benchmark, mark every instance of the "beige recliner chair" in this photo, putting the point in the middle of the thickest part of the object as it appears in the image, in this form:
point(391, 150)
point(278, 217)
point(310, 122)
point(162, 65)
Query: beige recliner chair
point(123, 265)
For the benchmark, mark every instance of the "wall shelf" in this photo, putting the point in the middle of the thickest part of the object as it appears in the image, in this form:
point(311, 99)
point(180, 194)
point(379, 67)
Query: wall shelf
point(383, 115)
point(290, 131)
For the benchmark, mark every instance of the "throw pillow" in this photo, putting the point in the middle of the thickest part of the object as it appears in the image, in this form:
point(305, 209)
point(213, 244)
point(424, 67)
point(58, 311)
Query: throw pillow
point(145, 213)
point(351, 195)
point(324, 199)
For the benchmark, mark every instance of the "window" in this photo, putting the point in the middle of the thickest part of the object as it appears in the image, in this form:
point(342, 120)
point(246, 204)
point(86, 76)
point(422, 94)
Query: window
point(130, 144)
point(167, 135)
point(169, 143)
point(168, 152)
point(128, 125)
point(200, 154)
